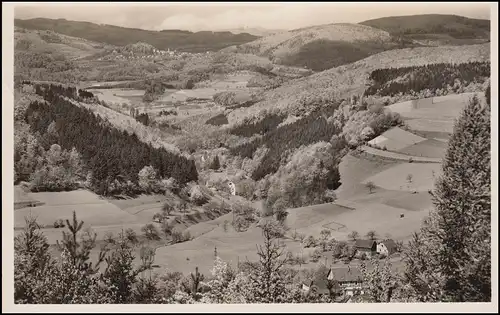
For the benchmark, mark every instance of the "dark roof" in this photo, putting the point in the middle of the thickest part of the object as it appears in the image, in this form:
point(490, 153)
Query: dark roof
point(367, 244)
point(346, 274)
point(320, 284)
point(391, 245)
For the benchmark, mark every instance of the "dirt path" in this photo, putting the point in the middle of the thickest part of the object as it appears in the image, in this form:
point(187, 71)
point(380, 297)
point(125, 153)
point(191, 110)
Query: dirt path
point(399, 156)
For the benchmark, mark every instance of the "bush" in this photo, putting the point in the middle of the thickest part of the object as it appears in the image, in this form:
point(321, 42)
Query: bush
point(295, 259)
point(215, 165)
point(316, 255)
point(166, 228)
point(275, 228)
point(109, 238)
point(197, 196)
point(131, 236)
point(179, 237)
point(301, 237)
point(151, 232)
point(246, 188)
point(59, 223)
point(310, 241)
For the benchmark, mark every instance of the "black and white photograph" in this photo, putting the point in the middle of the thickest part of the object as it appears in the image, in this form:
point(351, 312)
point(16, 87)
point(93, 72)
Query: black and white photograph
point(292, 156)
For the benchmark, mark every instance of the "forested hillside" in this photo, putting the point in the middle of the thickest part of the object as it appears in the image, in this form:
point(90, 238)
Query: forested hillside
point(112, 159)
point(299, 96)
point(453, 25)
point(121, 36)
point(432, 77)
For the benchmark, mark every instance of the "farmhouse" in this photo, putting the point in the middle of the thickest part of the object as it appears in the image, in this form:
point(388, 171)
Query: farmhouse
point(339, 281)
point(320, 287)
point(349, 279)
point(387, 247)
point(367, 247)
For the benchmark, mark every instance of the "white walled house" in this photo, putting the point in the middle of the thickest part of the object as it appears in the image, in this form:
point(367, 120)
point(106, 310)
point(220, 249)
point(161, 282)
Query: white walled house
point(232, 188)
point(386, 247)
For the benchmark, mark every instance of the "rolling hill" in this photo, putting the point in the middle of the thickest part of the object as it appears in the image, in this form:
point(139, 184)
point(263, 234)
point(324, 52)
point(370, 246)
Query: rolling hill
point(46, 41)
point(321, 47)
point(299, 96)
point(120, 36)
point(49, 56)
point(435, 28)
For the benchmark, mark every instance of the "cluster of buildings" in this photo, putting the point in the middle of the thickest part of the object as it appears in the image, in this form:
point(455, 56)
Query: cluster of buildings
point(345, 282)
point(153, 54)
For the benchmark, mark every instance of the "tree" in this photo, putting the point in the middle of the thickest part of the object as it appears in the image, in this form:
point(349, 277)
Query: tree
point(267, 278)
point(167, 209)
point(147, 178)
point(371, 235)
point(120, 275)
point(150, 231)
point(456, 239)
point(79, 251)
point(33, 264)
point(409, 178)
point(215, 165)
point(379, 283)
point(39, 279)
point(353, 235)
point(371, 186)
point(147, 291)
point(325, 235)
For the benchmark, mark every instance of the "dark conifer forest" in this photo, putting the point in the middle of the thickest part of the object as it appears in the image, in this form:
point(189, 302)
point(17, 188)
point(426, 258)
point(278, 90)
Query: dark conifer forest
point(108, 153)
point(389, 82)
point(305, 131)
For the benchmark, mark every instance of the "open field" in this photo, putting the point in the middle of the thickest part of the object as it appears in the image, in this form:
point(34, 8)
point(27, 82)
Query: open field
point(395, 178)
point(429, 148)
point(396, 139)
point(231, 246)
point(60, 205)
point(435, 114)
point(354, 170)
point(120, 96)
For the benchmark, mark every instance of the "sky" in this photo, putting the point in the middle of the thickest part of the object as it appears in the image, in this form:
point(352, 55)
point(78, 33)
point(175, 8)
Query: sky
point(220, 16)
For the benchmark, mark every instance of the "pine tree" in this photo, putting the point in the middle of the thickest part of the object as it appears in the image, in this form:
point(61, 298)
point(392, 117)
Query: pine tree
point(33, 264)
point(457, 236)
point(267, 278)
point(120, 275)
point(79, 250)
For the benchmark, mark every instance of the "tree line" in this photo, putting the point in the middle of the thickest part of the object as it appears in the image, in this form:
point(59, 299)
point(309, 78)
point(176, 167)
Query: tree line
point(108, 154)
point(310, 129)
point(268, 123)
point(391, 81)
